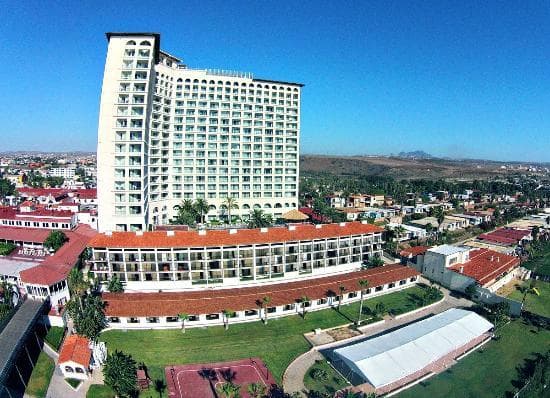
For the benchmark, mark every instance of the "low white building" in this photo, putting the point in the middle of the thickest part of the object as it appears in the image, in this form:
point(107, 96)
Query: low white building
point(410, 232)
point(75, 357)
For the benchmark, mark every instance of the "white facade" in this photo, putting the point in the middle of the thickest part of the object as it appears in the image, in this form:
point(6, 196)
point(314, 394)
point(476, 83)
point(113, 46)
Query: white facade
point(168, 133)
point(65, 172)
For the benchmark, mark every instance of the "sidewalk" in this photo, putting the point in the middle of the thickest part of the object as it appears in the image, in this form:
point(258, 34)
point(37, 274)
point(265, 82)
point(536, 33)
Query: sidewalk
point(293, 378)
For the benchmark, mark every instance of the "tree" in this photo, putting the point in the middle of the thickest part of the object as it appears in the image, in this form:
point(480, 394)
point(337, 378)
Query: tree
point(256, 390)
point(115, 285)
point(258, 219)
point(119, 373)
point(379, 309)
point(201, 207)
point(363, 284)
point(230, 203)
point(471, 290)
point(88, 317)
point(183, 317)
point(55, 240)
point(6, 188)
point(226, 314)
point(304, 300)
point(186, 213)
point(341, 290)
point(229, 390)
point(77, 285)
point(265, 302)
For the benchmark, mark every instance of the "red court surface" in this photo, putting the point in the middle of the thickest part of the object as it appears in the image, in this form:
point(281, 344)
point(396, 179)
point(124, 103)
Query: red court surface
point(200, 380)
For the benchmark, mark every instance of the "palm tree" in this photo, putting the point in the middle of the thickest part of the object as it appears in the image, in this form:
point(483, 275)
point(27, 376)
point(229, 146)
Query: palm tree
point(226, 315)
point(186, 213)
point(341, 289)
point(229, 390)
point(399, 232)
point(230, 203)
point(265, 302)
point(258, 219)
point(304, 300)
point(77, 285)
point(183, 317)
point(256, 390)
point(363, 283)
point(201, 207)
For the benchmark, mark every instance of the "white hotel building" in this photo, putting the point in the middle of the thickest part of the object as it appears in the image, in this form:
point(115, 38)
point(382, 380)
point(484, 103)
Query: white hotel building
point(168, 133)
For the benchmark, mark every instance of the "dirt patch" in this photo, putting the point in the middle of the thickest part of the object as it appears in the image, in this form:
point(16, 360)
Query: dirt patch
point(342, 333)
point(510, 287)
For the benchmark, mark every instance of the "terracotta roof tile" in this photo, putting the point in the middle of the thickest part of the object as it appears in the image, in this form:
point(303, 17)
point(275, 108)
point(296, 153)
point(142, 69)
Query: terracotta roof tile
point(159, 239)
point(245, 298)
point(485, 265)
point(414, 251)
point(75, 348)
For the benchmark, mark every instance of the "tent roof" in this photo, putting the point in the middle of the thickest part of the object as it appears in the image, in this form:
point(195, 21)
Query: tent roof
point(295, 215)
point(393, 356)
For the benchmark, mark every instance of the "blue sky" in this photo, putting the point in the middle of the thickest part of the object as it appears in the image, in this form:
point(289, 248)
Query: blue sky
point(454, 78)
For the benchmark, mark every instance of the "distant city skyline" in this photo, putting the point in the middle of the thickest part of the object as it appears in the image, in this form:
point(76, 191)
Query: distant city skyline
point(461, 80)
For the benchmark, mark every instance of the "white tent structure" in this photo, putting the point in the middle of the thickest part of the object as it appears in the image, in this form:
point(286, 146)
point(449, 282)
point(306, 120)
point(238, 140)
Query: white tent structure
point(391, 357)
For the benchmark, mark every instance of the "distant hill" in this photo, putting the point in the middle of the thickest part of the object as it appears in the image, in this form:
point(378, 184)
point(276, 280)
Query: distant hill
point(415, 155)
point(402, 167)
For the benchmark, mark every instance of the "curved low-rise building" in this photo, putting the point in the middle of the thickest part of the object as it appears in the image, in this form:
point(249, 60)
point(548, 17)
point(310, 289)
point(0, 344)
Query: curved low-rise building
point(185, 260)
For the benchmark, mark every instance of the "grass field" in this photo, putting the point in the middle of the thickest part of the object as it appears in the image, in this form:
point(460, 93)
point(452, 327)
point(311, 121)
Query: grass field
point(333, 383)
point(533, 303)
point(41, 375)
point(55, 337)
point(277, 343)
point(488, 373)
point(100, 391)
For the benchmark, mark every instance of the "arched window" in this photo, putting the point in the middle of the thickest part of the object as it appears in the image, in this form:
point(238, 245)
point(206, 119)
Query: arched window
point(68, 368)
point(267, 206)
point(257, 206)
point(236, 84)
point(187, 80)
point(79, 370)
point(228, 83)
point(211, 208)
point(203, 81)
point(278, 205)
point(295, 89)
point(211, 82)
point(196, 81)
point(246, 207)
point(130, 43)
point(180, 80)
point(145, 43)
point(286, 205)
point(220, 82)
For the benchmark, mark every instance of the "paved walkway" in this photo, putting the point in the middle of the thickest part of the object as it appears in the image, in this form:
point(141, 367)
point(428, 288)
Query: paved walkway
point(293, 379)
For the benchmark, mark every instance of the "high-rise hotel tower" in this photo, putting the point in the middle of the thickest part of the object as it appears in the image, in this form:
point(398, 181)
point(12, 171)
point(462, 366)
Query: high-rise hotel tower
point(168, 133)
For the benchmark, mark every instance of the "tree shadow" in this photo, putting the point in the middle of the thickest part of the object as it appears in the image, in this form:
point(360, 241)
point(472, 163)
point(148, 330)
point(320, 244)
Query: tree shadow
point(228, 375)
point(160, 386)
point(210, 375)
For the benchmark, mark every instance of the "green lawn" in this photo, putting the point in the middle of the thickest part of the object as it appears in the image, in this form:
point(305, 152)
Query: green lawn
point(55, 337)
point(533, 303)
point(100, 391)
point(488, 373)
point(398, 303)
point(333, 383)
point(41, 375)
point(277, 343)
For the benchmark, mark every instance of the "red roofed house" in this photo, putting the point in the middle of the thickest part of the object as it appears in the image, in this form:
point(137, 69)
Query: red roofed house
point(74, 357)
point(457, 267)
point(507, 236)
point(414, 256)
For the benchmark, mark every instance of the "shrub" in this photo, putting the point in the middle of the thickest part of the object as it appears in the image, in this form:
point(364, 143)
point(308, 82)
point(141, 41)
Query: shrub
point(6, 248)
point(319, 374)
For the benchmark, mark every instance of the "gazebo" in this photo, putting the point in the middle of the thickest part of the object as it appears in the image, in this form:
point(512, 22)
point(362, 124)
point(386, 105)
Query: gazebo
point(295, 216)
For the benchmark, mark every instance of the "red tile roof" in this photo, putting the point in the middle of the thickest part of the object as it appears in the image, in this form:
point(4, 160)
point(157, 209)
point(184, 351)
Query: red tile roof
point(75, 348)
point(313, 215)
point(506, 236)
point(87, 193)
point(225, 238)
point(36, 192)
point(39, 214)
point(55, 268)
point(36, 235)
point(414, 251)
point(486, 265)
point(245, 298)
